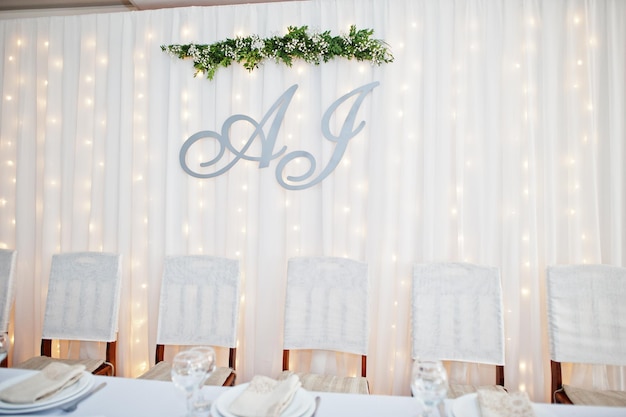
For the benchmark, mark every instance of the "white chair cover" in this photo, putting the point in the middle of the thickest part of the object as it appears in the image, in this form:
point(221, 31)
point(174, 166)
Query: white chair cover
point(457, 313)
point(83, 297)
point(7, 286)
point(327, 305)
point(587, 314)
point(199, 301)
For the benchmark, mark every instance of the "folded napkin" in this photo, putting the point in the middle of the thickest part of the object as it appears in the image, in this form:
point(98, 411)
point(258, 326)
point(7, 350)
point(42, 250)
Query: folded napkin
point(494, 403)
point(265, 397)
point(53, 378)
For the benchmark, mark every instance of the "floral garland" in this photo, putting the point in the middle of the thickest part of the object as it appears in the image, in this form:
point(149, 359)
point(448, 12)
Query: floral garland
point(251, 51)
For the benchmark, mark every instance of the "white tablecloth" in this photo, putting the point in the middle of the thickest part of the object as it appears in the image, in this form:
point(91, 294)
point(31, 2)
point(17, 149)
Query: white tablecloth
point(137, 398)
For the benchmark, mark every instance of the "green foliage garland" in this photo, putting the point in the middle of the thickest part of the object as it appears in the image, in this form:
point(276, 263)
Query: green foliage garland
point(251, 51)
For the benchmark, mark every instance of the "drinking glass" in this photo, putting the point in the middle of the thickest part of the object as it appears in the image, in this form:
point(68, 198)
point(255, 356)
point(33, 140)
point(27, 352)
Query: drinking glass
point(209, 361)
point(187, 374)
point(202, 404)
point(429, 384)
point(4, 346)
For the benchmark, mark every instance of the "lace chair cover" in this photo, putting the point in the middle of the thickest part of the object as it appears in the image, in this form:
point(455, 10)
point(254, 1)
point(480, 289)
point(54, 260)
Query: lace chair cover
point(327, 305)
point(457, 313)
point(83, 297)
point(7, 286)
point(587, 314)
point(199, 301)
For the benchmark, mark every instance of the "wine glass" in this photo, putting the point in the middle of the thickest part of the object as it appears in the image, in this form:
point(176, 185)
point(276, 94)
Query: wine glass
point(209, 361)
point(4, 346)
point(429, 384)
point(187, 374)
point(202, 404)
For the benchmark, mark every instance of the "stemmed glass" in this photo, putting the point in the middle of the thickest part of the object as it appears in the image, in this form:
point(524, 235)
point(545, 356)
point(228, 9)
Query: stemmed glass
point(4, 346)
point(429, 384)
point(201, 404)
point(187, 374)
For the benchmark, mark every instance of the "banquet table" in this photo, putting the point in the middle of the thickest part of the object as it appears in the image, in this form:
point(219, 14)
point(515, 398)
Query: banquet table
point(138, 397)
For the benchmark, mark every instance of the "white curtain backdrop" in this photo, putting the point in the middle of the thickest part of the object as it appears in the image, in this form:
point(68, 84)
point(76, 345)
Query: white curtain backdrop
point(497, 136)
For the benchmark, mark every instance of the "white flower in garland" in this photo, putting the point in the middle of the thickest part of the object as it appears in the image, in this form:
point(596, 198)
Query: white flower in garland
point(251, 51)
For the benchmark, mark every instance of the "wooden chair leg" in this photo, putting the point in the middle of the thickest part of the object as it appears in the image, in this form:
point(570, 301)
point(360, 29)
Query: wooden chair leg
point(46, 347)
point(558, 394)
point(363, 366)
point(500, 375)
point(159, 354)
point(285, 360)
point(232, 358)
point(106, 369)
point(230, 381)
point(111, 356)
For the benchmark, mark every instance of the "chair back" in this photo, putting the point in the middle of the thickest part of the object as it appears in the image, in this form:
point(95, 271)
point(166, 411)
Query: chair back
point(7, 286)
point(199, 302)
point(83, 297)
point(586, 306)
point(456, 313)
point(327, 305)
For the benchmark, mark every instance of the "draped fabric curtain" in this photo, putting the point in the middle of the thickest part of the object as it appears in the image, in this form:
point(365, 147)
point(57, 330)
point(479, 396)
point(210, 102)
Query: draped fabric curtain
point(495, 137)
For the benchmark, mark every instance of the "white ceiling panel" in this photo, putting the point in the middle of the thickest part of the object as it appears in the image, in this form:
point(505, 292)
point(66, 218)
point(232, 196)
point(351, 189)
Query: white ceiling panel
point(160, 4)
point(48, 4)
point(133, 4)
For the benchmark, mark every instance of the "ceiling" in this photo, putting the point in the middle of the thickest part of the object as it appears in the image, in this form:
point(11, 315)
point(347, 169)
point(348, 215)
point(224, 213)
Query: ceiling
point(15, 5)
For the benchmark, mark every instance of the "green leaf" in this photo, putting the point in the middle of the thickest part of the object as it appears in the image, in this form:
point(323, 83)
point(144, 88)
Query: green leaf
point(251, 51)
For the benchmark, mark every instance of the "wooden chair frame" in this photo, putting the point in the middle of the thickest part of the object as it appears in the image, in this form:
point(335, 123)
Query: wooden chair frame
point(106, 369)
point(500, 375)
point(159, 356)
point(484, 271)
point(10, 295)
point(595, 292)
point(363, 363)
point(558, 394)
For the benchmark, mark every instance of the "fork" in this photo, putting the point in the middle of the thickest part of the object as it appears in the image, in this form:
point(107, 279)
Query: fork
point(72, 405)
point(317, 405)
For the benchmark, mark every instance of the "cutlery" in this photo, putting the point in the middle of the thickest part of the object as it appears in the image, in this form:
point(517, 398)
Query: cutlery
point(317, 405)
point(72, 405)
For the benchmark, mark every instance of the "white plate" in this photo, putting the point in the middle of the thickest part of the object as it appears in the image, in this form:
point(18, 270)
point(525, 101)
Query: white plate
point(467, 406)
point(307, 413)
point(302, 404)
point(66, 395)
